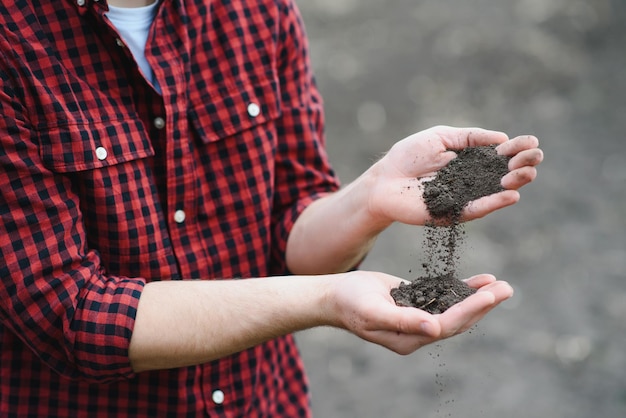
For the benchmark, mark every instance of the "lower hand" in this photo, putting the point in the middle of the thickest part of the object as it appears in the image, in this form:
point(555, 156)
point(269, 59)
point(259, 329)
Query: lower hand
point(362, 305)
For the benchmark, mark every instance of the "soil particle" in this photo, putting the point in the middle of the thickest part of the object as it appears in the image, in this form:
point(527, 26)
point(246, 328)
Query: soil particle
point(474, 173)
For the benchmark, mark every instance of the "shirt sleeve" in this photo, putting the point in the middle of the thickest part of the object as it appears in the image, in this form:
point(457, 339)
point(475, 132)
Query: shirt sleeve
point(54, 294)
point(303, 170)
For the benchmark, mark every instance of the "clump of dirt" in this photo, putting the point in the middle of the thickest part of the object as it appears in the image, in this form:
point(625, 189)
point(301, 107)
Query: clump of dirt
point(432, 294)
point(474, 173)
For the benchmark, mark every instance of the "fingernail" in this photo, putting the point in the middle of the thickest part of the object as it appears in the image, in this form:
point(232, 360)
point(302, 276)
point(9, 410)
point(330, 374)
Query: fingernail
point(426, 328)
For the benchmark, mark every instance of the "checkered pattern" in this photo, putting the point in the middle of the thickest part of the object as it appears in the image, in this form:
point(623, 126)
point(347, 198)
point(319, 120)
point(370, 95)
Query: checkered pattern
point(91, 180)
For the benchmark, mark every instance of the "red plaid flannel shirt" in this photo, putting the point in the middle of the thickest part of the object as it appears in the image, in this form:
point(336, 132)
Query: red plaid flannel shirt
point(106, 185)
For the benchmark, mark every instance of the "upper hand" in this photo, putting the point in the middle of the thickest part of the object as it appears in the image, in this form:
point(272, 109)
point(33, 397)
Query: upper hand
point(396, 188)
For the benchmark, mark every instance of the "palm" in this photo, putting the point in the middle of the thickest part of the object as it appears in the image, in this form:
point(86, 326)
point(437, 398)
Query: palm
point(397, 193)
point(368, 310)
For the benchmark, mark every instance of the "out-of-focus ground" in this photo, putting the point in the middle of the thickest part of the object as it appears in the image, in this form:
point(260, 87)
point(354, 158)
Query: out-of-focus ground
point(552, 68)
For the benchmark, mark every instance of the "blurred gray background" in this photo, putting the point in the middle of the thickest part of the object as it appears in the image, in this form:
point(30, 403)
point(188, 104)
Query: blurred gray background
point(552, 68)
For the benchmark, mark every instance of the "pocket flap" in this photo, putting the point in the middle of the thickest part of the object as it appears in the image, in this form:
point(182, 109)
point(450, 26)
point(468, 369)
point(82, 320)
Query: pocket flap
point(85, 146)
point(224, 112)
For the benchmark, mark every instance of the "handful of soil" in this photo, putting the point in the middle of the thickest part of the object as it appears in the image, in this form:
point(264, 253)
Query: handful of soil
point(432, 294)
point(474, 173)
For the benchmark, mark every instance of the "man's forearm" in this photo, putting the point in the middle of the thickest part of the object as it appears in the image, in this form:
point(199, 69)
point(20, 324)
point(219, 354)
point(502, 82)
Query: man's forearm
point(182, 323)
point(334, 233)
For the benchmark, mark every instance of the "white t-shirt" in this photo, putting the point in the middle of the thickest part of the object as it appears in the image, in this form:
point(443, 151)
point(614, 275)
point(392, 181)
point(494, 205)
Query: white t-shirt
point(133, 24)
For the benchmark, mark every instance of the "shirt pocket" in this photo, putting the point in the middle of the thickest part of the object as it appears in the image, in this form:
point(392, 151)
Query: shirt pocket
point(80, 146)
point(226, 111)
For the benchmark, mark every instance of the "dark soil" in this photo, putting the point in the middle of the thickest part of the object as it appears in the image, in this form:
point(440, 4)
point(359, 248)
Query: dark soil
point(432, 294)
point(474, 173)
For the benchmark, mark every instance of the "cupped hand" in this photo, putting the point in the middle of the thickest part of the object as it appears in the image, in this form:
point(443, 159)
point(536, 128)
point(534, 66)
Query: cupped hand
point(364, 306)
point(525, 156)
point(397, 178)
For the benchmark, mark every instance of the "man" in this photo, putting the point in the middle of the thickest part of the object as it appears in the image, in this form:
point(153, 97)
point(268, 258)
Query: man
point(148, 146)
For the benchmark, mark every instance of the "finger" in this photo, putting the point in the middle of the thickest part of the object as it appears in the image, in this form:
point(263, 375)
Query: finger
point(459, 138)
point(530, 157)
point(517, 144)
point(465, 314)
point(499, 288)
point(487, 204)
point(414, 322)
point(458, 316)
point(518, 178)
point(477, 137)
point(475, 319)
point(400, 319)
point(480, 280)
point(502, 291)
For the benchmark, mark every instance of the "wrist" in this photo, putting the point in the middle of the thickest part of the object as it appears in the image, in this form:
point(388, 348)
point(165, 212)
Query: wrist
point(368, 198)
point(324, 310)
point(332, 302)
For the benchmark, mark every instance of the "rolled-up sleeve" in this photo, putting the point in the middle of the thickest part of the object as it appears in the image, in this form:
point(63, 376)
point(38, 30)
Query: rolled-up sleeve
point(54, 293)
point(303, 170)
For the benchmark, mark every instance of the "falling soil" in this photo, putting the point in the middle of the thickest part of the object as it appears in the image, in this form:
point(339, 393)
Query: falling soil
point(474, 173)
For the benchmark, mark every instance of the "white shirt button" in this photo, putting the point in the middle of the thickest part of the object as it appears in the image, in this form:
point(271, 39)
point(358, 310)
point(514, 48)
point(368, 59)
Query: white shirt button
point(159, 122)
point(179, 216)
point(101, 153)
point(80, 2)
point(218, 397)
point(119, 42)
point(254, 110)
